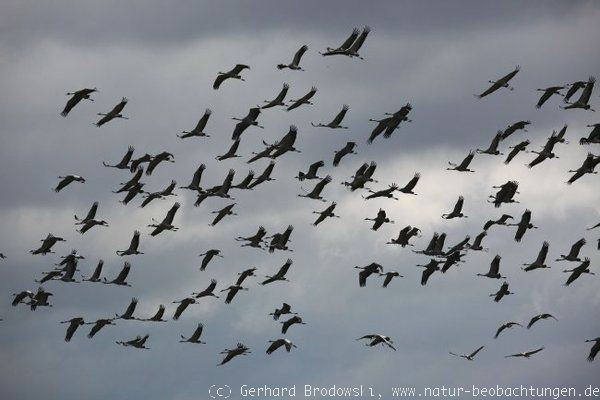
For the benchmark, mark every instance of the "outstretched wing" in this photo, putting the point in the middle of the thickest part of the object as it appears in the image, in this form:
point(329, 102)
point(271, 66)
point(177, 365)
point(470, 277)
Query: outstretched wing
point(473, 354)
point(348, 42)
point(530, 353)
point(543, 253)
point(587, 91)
point(321, 185)
point(459, 205)
point(72, 102)
point(202, 122)
point(340, 116)
point(219, 80)
point(360, 40)
point(299, 55)
point(413, 182)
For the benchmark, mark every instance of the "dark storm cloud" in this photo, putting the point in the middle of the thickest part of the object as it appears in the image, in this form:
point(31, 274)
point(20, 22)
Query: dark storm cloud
point(174, 22)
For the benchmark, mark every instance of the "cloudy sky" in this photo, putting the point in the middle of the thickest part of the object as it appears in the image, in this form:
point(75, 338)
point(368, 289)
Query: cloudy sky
point(164, 56)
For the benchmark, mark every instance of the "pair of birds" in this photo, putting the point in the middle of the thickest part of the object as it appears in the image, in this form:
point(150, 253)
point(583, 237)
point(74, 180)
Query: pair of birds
point(89, 221)
point(75, 323)
point(33, 300)
point(85, 94)
point(389, 192)
point(471, 356)
point(390, 123)
point(532, 321)
point(235, 72)
point(351, 45)
point(375, 269)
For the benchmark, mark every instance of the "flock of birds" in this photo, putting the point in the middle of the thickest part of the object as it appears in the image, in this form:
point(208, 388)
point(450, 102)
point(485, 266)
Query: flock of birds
point(441, 257)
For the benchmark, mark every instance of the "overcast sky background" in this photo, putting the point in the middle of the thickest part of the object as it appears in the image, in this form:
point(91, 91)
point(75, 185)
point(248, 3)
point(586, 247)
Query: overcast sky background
point(164, 58)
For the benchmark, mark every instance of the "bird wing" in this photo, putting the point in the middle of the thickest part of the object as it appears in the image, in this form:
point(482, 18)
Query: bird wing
point(530, 353)
point(545, 96)
point(202, 122)
point(314, 167)
point(340, 116)
point(360, 40)
point(459, 205)
point(495, 265)
point(362, 277)
point(135, 241)
point(467, 160)
point(127, 157)
point(380, 127)
point(281, 94)
point(159, 313)
point(197, 333)
point(473, 354)
point(388, 279)
point(180, 309)
point(573, 89)
point(92, 212)
point(131, 308)
point(542, 254)
point(234, 146)
point(495, 142)
point(124, 272)
point(96, 328)
point(413, 182)
point(479, 239)
point(321, 185)
point(230, 295)
point(219, 80)
point(348, 42)
point(533, 321)
point(307, 96)
point(389, 345)
point(512, 154)
point(104, 120)
point(284, 268)
point(521, 229)
point(97, 271)
point(514, 355)
point(63, 183)
point(587, 91)
point(503, 327)
point(238, 68)
point(371, 169)
point(339, 155)
point(73, 325)
point(594, 351)
point(240, 127)
point(577, 247)
point(299, 55)
point(118, 108)
point(253, 113)
point(510, 75)
point(171, 214)
point(495, 86)
point(427, 272)
point(72, 102)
